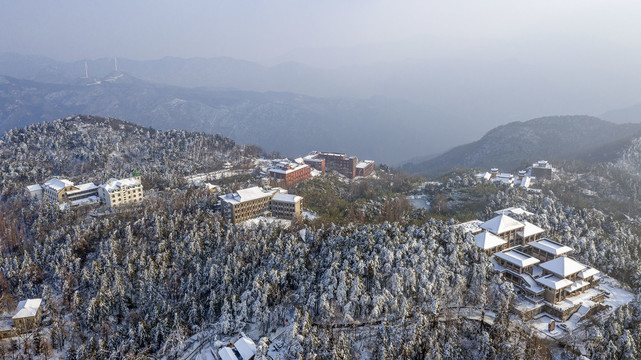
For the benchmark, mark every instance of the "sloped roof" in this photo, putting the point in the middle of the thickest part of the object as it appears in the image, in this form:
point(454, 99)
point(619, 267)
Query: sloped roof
point(227, 353)
point(517, 258)
point(579, 284)
point(487, 240)
point(530, 229)
point(563, 266)
point(500, 224)
point(588, 272)
point(27, 308)
point(554, 282)
point(550, 247)
point(58, 184)
point(245, 347)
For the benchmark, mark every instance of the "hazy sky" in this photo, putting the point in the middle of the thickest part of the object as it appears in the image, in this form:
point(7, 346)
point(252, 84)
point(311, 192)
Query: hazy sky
point(267, 31)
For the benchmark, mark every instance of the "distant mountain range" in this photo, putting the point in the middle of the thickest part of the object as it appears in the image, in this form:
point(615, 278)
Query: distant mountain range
point(292, 124)
point(515, 145)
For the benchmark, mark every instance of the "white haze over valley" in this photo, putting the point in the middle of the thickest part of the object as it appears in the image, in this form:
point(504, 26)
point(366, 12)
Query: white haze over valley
point(475, 64)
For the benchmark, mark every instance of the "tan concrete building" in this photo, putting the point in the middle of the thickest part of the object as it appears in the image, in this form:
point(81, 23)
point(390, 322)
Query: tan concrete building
point(286, 206)
point(63, 190)
point(28, 314)
point(253, 202)
point(117, 192)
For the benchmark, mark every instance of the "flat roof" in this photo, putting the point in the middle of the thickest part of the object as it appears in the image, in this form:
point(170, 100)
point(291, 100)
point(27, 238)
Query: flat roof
point(248, 194)
point(554, 282)
point(550, 247)
point(517, 258)
point(500, 224)
point(487, 240)
point(563, 266)
point(288, 198)
point(35, 187)
point(83, 187)
point(288, 170)
point(363, 164)
point(116, 184)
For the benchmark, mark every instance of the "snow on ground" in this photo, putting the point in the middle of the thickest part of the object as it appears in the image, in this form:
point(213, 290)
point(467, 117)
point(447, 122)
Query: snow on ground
point(618, 296)
point(216, 175)
point(309, 215)
point(419, 201)
point(269, 220)
point(542, 322)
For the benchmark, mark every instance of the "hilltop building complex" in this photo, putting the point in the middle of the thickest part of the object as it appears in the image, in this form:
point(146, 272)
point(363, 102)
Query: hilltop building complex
point(538, 172)
point(113, 192)
point(541, 268)
point(348, 166)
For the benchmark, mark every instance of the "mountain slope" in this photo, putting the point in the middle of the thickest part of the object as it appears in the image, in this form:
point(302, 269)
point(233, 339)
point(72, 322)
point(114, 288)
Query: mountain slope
point(92, 147)
point(625, 115)
point(553, 138)
point(289, 123)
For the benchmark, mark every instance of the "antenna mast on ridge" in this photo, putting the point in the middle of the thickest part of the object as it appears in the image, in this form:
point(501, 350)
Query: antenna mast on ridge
point(86, 71)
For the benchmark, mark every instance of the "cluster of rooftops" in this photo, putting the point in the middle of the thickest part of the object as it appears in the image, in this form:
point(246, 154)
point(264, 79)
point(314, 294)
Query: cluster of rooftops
point(538, 172)
point(66, 192)
point(537, 265)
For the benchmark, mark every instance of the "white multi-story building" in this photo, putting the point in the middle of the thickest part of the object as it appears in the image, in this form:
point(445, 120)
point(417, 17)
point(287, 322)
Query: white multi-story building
point(121, 191)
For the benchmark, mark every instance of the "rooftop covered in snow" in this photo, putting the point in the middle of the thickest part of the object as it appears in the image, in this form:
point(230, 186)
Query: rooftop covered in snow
point(487, 240)
point(288, 198)
point(58, 184)
point(517, 258)
point(501, 224)
point(530, 229)
point(242, 195)
point(563, 266)
point(115, 184)
point(246, 347)
point(554, 282)
point(27, 308)
point(550, 247)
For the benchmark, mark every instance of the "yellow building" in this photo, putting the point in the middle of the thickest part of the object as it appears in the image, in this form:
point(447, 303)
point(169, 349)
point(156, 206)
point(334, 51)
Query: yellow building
point(252, 202)
point(121, 191)
point(63, 190)
point(28, 314)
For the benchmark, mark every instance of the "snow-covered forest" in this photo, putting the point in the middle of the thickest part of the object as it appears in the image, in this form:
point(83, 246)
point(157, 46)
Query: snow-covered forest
point(140, 282)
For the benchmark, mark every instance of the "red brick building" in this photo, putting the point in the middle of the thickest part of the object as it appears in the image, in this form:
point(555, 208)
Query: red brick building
point(290, 173)
point(364, 168)
point(340, 163)
point(315, 162)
